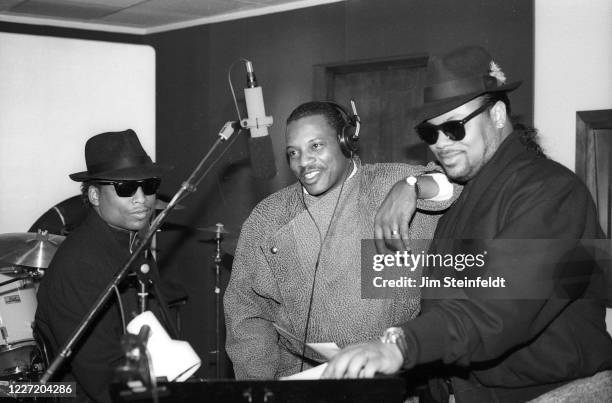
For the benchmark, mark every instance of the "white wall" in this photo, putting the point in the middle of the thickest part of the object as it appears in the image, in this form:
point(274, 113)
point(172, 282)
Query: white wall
point(573, 72)
point(55, 93)
point(573, 69)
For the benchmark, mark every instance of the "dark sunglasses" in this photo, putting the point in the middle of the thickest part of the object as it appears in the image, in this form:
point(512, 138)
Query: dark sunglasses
point(454, 129)
point(128, 188)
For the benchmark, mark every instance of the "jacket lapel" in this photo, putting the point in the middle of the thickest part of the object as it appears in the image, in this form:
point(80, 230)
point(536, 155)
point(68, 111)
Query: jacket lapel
point(479, 192)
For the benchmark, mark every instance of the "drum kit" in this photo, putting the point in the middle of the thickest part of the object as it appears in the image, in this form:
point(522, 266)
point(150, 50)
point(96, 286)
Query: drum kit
point(23, 259)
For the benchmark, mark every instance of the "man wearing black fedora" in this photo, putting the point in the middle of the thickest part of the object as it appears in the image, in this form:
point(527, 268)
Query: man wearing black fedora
point(528, 216)
point(120, 186)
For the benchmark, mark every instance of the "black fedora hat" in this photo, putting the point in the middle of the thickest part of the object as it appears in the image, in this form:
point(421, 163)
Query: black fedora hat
point(458, 77)
point(117, 156)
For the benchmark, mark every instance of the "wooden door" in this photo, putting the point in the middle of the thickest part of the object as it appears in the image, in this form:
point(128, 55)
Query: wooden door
point(387, 93)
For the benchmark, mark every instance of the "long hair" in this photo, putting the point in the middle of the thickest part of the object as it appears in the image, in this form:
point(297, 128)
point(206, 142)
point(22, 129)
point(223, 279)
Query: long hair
point(529, 138)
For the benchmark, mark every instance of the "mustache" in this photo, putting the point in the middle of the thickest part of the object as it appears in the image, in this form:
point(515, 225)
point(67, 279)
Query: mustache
point(447, 152)
point(310, 168)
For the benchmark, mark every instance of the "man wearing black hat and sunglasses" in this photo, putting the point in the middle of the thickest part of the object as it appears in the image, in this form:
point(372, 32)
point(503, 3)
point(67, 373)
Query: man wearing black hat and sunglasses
point(119, 185)
point(530, 218)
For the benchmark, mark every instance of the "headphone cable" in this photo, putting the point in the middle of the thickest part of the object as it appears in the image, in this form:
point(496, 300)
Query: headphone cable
point(322, 239)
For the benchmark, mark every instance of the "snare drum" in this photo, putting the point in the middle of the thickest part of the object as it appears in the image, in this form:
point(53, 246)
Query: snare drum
point(17, 310)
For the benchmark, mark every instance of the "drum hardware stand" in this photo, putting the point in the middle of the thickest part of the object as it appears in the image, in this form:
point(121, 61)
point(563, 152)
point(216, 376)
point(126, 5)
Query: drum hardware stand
point(13, 280)
point(4, 334)
point(189, 186)
point(217, 260)
point(145, 282)
point(30, 274)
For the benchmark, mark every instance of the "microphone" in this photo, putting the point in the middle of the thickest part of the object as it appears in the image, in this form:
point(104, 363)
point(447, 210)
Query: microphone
point(260, 144)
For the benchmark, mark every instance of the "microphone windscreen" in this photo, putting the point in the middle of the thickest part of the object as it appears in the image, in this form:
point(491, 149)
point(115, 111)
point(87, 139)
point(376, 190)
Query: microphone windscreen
point(262, 157)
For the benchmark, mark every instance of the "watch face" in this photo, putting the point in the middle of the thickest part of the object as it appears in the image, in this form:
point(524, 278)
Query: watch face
point(395, 335)
point(390, 335)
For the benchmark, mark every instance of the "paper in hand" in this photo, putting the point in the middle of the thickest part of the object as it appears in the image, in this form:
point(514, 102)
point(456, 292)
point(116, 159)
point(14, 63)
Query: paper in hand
point(319, 352)
point(311, 373)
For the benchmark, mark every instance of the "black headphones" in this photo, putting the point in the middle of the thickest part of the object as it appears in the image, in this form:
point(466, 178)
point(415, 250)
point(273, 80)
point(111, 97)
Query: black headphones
point(348, 137)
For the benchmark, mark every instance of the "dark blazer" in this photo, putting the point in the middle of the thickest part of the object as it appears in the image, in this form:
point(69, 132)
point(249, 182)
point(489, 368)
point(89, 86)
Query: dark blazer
point(515, 343)
point(82, 267)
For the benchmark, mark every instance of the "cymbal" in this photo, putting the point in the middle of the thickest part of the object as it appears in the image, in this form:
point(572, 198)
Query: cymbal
point(62, 218)
point(29, 249)
point(216, 229)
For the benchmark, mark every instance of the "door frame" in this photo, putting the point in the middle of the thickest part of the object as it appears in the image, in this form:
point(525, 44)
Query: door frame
point(586, 123)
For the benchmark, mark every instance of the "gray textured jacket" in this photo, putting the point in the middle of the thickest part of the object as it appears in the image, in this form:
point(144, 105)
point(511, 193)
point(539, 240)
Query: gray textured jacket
point(274, 264)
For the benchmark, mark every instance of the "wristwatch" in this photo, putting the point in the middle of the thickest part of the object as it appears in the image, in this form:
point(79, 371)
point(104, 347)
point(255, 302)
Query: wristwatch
point(412, 181)
point(395, 335)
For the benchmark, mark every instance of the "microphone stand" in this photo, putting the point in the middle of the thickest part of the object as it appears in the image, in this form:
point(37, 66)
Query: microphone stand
point(188, 186)
point(143, 282)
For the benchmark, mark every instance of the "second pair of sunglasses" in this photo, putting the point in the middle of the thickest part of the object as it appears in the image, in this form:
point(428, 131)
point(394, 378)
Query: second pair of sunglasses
point(453, 129)
point(127, 188)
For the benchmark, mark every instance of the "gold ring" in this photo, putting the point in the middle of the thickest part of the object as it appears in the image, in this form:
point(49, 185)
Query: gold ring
point(394, 232)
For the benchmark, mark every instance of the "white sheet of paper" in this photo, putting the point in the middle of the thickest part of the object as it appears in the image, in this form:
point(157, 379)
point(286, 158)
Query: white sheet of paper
point(312, 373)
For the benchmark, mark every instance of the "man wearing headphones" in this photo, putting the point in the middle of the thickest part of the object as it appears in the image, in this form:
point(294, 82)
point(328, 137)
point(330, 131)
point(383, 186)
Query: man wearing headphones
point(298, 259)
